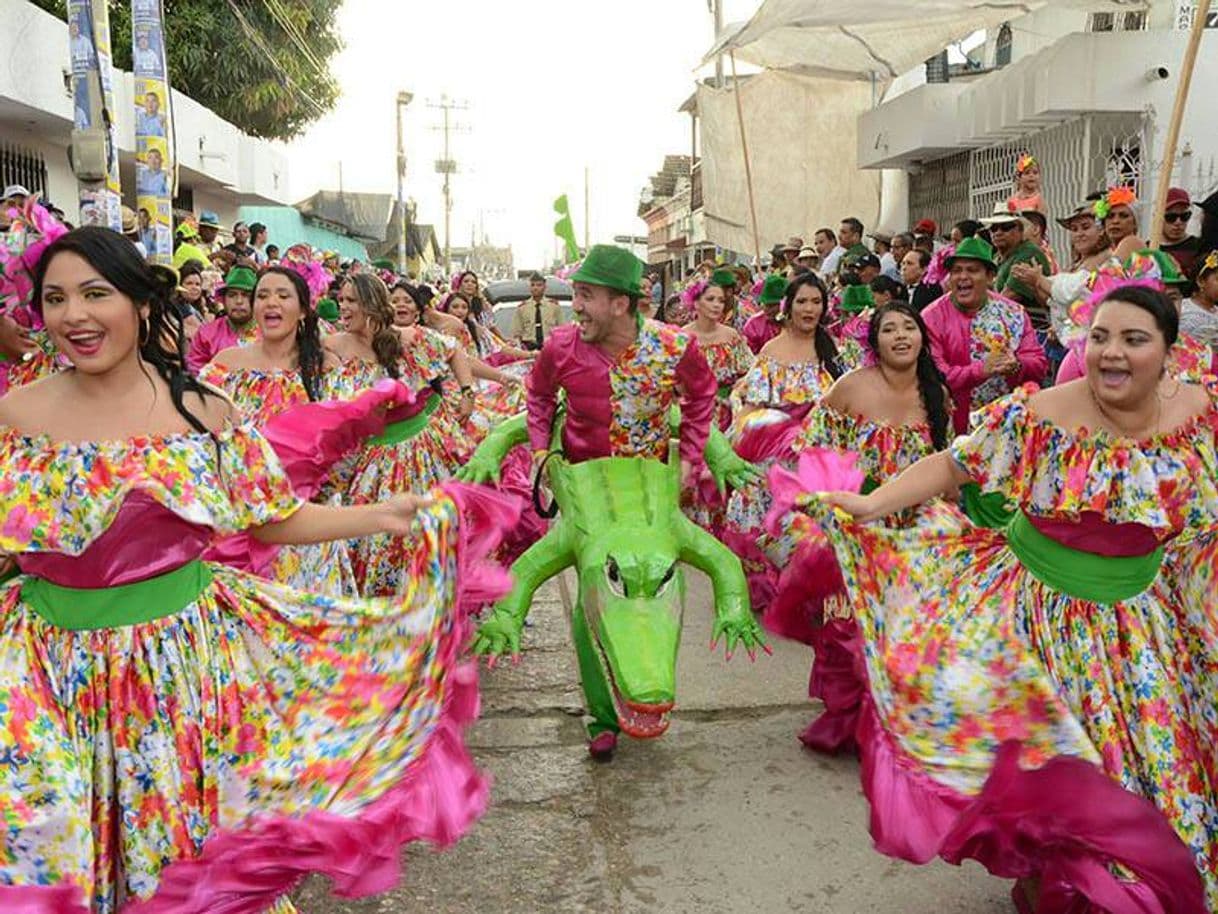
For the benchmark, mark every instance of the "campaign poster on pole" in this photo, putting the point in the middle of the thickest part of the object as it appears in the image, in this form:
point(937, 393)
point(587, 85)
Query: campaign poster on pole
point(154, 162)
point(93, 106)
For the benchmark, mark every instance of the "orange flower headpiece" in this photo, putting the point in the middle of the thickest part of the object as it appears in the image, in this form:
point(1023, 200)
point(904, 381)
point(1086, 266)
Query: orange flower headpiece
point(1025, 162)
point(1116, 196)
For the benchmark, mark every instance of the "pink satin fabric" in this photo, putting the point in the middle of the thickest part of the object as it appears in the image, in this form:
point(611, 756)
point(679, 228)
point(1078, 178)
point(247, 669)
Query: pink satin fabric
point(950, 332)
point(759, 330)
point(145, 540)
point(583, 371)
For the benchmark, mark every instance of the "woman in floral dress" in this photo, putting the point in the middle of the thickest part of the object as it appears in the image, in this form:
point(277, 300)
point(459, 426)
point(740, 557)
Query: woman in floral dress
point(726, 351)
point(792, 373)
point(884, 418)
point(729, 358)
point(179, 733)
point(1043, 692)
point(283, 369)
point(420, 448)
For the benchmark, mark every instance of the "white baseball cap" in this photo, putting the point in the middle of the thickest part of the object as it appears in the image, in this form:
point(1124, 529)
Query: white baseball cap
point(16, 190)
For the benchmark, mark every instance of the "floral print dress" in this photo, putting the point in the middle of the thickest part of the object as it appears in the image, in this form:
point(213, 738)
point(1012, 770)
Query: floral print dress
point(42, 362)
point(261, 395)
point(780, 395)
point(391, 464)
point(729, 361)
point(186, 733)
point(811, 604)
point(982, 675)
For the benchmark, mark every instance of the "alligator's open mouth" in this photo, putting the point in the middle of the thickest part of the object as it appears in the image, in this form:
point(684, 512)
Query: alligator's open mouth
point(642, 721)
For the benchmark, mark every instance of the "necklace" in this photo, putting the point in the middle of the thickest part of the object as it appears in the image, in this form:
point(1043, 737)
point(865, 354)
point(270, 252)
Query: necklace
point(1116, 426)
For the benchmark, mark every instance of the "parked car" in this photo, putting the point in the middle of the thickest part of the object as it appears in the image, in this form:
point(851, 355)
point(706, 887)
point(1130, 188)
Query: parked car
point(506, 295)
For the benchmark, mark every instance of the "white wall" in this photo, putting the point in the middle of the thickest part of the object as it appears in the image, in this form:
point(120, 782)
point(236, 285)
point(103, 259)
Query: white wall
point(36, 112)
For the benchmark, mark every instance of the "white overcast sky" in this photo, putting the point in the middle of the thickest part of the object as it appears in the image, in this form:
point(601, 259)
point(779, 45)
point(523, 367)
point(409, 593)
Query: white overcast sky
point(552, 86)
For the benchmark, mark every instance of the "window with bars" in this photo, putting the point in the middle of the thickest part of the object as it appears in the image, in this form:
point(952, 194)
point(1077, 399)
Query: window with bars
point(1135, 21)
point(1076, 158)
point(20, 166)
point(1002, 47)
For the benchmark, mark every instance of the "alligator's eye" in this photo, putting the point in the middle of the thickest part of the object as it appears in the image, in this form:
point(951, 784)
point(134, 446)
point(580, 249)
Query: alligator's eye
point(614, 575)
point(668, 578)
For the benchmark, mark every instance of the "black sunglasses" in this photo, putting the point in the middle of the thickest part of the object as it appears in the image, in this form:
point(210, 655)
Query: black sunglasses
point(1177, 217)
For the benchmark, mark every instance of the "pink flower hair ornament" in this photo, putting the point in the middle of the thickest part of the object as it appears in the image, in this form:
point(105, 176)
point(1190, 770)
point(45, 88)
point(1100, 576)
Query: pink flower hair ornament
point(302, 259)
point(31, 232)
point(692, 292)
point(937, 272)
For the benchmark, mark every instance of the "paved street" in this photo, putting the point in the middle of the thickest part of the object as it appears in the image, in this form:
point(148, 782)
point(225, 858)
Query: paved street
point(724, 813)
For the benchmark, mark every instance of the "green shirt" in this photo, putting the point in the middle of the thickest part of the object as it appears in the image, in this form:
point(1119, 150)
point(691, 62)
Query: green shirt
point(1025, 252)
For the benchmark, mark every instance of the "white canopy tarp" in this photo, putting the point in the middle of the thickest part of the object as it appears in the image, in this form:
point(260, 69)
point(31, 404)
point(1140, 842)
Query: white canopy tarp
point(879, 39)
point(802, 138)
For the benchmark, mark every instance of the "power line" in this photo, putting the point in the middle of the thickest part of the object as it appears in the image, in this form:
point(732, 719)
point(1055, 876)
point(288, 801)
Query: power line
point(256, 37)
point(447, 166)
point(294, 34)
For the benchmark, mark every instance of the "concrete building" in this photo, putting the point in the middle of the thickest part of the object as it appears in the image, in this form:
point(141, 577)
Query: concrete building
point(219, 167)
point(1089, 95)
point(666, 207)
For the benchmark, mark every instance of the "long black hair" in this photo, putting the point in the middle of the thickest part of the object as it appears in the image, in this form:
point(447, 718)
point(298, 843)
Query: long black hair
point(826, 349)
point(471, 324)
point(309, 353)
point(373, 299)
point(120, 264)
point(476, 304)
point(932, 386)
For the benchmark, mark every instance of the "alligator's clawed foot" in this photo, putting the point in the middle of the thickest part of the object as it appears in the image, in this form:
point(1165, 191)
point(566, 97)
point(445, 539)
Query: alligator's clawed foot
point(741, 632)
point(602, 746)
point(498, 635)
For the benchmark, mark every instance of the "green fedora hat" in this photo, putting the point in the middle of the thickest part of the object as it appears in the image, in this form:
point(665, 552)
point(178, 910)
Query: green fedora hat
point(612, 267)
point(772, 291)
point(724, 277)
point(242, 278)
point(327, 310)
point(857, 299)
point(973, 249)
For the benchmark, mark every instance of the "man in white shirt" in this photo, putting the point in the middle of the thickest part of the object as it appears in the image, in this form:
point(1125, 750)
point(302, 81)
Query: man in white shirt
point(81, 48)
point(831, 253)
point(147, 61)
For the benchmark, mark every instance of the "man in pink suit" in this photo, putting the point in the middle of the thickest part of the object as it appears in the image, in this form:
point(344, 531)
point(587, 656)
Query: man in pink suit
point(983, 343)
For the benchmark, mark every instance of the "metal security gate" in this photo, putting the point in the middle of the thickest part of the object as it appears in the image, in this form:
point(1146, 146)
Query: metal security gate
point(940, 191)
point(20, 166)
point(1078, 157)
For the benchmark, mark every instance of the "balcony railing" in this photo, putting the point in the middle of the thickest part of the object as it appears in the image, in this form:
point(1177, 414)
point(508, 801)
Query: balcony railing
point(695, 187)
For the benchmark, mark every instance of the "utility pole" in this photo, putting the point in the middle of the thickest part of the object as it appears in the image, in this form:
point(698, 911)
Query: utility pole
point(403, 100)
point(447, 166)
point(587, 213)
point(717, 10)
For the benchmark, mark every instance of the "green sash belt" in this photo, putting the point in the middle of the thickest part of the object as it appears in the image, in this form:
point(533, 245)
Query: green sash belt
point(1100, 579)
point(987, 509)
point(397, 432)
point(85, 609)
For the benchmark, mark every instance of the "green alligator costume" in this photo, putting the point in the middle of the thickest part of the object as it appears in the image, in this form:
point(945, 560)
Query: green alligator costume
point(620, 525)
